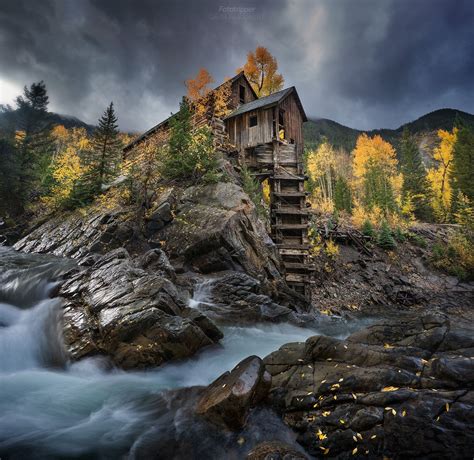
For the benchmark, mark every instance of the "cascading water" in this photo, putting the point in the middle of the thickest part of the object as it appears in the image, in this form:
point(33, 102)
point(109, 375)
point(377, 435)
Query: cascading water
point(50, 408)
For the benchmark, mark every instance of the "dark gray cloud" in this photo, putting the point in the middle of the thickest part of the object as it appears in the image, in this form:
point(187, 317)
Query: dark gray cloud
point(364, 63)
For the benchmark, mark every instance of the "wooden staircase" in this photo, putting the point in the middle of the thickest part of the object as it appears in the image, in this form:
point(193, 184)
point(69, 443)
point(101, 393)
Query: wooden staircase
point(279, 162)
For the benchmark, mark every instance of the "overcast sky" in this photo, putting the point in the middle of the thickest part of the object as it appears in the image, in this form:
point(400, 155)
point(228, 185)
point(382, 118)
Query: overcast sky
point(364, 63)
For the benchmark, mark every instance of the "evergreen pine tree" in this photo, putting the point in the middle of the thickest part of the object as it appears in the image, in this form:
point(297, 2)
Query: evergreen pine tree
point(342, 195)
point(462, 178)
point(415, 183)
point(368, 228)
point(32, 141)
point(103, 158)
point(385, 239)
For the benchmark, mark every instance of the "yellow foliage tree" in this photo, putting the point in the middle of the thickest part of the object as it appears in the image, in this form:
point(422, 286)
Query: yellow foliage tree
point(376, 178)
point(261, 71)
point(321, 164)
point(439, 176)
point(67, 167)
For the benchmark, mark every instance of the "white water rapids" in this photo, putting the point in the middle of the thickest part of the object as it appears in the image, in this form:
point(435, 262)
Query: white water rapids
point(50, 408)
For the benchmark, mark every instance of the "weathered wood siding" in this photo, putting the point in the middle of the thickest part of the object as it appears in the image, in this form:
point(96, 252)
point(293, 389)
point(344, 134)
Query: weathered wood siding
point(293, 122)
point(235, 98)
point(244, 136)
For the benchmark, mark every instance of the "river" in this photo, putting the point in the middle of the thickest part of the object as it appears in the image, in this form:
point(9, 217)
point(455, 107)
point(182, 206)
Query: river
point(52, 408)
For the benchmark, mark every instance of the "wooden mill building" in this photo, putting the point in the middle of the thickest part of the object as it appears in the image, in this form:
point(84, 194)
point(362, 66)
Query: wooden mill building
point(267, 135)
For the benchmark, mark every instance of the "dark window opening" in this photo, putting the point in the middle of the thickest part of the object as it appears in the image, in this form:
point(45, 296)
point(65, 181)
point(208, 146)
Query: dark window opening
point(242, 94)
point(292, 141)
point(253, 121)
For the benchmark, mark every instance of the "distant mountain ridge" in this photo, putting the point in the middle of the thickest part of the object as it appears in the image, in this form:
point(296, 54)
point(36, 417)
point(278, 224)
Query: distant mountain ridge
point(423, 128)
point(7, 120)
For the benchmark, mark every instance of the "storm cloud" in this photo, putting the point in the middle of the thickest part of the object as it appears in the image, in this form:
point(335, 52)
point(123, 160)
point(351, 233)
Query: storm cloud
point(364, 63)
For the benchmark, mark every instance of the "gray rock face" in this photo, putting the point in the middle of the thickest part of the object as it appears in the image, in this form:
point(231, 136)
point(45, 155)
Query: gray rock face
point(136, 317)
point(227, 400)
point(215, 228)
point(402, 389)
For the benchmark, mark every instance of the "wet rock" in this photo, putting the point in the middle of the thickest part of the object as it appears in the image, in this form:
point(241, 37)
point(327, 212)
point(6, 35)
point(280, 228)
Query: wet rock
point(399, 389)
point(133, 315)
point(75, 235)
point(237, 298)
point(227, 400)
point(271, 450)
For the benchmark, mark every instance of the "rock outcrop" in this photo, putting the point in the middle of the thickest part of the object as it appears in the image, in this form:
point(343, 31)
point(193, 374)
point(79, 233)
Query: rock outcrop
point(75, 235)
point(133, 315)
point(400, 389)
point(215, 228)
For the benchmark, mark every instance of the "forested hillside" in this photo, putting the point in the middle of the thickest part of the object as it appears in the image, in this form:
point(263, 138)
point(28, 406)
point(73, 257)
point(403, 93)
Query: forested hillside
point(424, 128)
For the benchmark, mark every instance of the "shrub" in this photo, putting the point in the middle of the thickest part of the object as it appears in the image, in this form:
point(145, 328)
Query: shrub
point(253, 189)
point(399, 235)
point(417, 240)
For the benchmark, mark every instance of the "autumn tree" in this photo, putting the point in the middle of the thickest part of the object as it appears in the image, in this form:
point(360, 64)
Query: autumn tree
point(320, 165)
point(104, 155)
point(203, 100)
point(415, 184)
point(67, 168)
point(375, 172)
point(261, 69)
point(198, 87)
point(439, 176)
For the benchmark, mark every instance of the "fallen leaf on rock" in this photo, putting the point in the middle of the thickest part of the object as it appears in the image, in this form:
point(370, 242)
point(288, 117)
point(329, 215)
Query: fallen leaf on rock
point(240, 441)
point(342, 421)
point(447, 407)
point(404, 412)
point(386, 345)
point(385, 389)
point(373, 436)
point(326, 413)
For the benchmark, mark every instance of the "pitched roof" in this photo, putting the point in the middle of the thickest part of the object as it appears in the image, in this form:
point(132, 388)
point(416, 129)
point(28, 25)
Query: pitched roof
point(152, 130)
point(268, 101)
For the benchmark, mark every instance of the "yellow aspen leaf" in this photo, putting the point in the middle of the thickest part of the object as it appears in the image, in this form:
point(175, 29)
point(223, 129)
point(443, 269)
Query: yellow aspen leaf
point(359, 436)
point(404, 413)
point(323, 381)
point(354, 395)
point(341, 380)
point(341, 421)
point(326, 451)
point(326, 413)
point(335, 397)
point(354, 451)
point(328, 359)
point(447, 407)
point(386, 345)
point(386, 389)
point(394, 412)
point(373, 436)
point(354, 438)
point(240, 441)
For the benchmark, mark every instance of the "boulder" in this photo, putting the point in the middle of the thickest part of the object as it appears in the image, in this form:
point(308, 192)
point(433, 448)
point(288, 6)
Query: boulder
point(227, 400)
